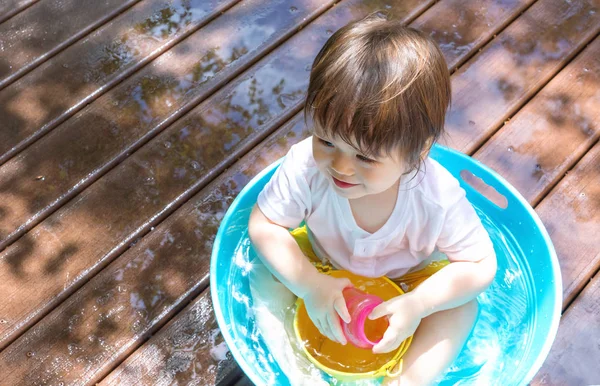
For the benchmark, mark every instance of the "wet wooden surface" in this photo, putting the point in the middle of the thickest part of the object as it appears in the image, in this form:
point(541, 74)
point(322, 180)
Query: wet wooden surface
point(46, 28)
point(144, 189)
point(571, 212)
point(9, 8)
point(55, 91)
point(121, 151)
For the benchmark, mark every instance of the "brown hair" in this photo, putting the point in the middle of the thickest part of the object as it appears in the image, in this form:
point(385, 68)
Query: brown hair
point(382, 85)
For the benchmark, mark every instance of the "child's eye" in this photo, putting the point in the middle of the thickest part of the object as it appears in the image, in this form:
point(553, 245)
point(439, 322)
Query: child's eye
point(365, 159)
point(326, 143)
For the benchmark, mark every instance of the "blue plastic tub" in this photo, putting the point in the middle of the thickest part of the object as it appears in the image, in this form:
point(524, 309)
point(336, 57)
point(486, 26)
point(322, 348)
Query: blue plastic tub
point(518, 319)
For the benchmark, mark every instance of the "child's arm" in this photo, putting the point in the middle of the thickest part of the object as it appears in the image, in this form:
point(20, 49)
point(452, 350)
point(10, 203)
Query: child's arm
point(455, 284)
point(281, 254)
point(452, 286)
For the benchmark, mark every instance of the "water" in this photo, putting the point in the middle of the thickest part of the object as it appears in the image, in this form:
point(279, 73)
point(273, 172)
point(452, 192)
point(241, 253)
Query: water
point(503, 331)
point(498, 343)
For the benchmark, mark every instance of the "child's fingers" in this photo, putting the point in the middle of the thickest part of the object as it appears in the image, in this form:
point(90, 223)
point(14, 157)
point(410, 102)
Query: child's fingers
point(379, 311)
point(336, 328)
point(340, 307)
point(322, 327)
point(330, 331)
point(389, 342)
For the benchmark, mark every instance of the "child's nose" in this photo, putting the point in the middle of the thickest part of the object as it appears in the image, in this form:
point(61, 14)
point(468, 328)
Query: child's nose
point(342, 164)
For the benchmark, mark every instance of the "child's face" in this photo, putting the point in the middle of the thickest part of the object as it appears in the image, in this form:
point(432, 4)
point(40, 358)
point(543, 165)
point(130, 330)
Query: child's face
point(352, 174)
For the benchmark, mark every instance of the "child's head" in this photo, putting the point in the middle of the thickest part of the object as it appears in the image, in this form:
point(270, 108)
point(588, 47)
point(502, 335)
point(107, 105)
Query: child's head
point(382, 88)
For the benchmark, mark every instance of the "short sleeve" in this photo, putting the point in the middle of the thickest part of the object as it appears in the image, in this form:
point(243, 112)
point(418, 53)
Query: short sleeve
point(286, 198)
point(462, 236)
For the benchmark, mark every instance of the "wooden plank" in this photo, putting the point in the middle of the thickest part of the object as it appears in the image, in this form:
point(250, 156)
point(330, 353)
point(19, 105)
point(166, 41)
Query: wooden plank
point(47, 27)
point(571, 213)
point(133, 296)
point(493, 85)
point(125, 204)
point(575, 354)
point(467, 25)
point(188, 350)
point(227, 186)
point(9, 8)
point(139, 108)
point(55, 91)
point(565, 112)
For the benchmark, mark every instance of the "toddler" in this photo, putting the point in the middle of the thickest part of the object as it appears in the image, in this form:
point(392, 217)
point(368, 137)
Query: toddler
point(372, 201)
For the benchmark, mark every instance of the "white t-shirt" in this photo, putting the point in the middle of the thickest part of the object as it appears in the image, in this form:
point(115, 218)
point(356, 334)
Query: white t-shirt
point(431, 214)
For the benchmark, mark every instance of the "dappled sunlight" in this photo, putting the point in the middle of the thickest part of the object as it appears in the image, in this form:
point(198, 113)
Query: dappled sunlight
point(466, 26)
point(86, 69)
point(565, 112)
point(513, 66)
point(127, 116)
point(26, 41)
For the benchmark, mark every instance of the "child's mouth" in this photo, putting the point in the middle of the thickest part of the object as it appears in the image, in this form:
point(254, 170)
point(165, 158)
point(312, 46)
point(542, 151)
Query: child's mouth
point(342, 184)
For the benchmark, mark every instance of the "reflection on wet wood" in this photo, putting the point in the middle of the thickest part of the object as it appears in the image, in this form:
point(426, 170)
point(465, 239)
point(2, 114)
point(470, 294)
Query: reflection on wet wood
point(55, 91)
point(136, 110)
point(79, 166)
point(467, 24)
point(565, 112)
point(9, 8)
point(227, 185)
point(493, 85)
point(575, 354)
point(47, 27)
point(571, 213)
point(188, 350)
point(574, 359)
point(83, 236)
point(131, 298)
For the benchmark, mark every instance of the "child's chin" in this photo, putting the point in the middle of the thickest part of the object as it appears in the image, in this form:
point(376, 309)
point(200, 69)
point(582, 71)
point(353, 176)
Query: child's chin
point(350, 193)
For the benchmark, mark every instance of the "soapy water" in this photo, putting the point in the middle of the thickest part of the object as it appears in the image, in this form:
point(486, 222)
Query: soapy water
point(498, 342)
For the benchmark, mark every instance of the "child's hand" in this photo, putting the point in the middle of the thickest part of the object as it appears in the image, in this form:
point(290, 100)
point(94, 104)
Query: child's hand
point(324, 301)
point(405, 313)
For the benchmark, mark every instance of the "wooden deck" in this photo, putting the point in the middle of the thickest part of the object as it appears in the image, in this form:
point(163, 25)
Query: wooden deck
point(127, 127)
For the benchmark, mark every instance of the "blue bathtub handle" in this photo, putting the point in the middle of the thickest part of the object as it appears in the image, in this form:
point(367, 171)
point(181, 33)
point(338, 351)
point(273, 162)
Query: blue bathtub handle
point(456, 162)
